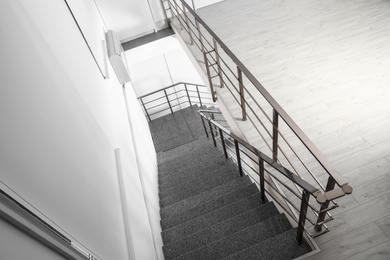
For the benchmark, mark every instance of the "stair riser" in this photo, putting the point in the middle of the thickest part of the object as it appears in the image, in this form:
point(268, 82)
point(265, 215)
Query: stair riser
point(209, 206)
point(219, 231)
point(241, 240)
point(212, 218)
point(204, 197)
point(199, 183)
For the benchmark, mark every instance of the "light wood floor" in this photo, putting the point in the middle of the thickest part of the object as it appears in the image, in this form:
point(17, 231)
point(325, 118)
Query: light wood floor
point(328, 64)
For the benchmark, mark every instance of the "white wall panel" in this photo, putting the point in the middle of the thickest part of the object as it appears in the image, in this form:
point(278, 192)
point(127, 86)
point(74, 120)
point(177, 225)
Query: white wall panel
point(128, 18)
point(159, 64)
point(60, 124)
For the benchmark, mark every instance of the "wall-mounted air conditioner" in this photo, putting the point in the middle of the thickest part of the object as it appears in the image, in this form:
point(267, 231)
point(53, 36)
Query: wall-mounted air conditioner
point(116, 57)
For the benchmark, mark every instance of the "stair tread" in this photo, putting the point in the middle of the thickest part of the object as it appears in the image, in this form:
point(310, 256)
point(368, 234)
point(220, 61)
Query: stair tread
point(240, 240)
point(203, 197)
point(167, 158)
point(189, 191)
point(212, 218)
point(220, 230)
point(282, 246)
point(200, 182)
point(170, 131)
point(190, 174)
point(209, 206)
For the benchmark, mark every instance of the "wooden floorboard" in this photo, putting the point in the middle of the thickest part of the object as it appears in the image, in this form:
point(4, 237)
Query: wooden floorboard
point(327, 63)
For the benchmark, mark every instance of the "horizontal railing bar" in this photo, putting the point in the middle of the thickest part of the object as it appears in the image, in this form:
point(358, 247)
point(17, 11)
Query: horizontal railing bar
point(154, 100)
point(276, 178)
point(170, 86)
point(287, 173)
point(151, 114)
point(149, 108)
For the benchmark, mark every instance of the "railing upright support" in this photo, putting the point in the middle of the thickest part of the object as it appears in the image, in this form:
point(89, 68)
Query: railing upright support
point(206, 62)
point(204, 126)
point(169, 103)
point(212, 133)
point(262, 182)
point(146, 111)
point(177, 12)
point(321, 217)
point(217, 58)
point(166, 10)
point(200, 34)
point(275, 135)
point(240, 81)
point(188, 25)
point(223, 143)
point(188, 95)
point(238, 157)
point(302, 216)
point(200, 99)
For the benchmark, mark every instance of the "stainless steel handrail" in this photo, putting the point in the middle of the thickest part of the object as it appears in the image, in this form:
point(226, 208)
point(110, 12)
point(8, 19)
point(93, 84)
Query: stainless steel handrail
point(203, 44)
point(166, 102)
point(282, 113)
point(307, 188)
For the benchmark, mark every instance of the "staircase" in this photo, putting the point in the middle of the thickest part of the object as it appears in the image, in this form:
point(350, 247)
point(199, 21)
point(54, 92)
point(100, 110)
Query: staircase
point(207, 210)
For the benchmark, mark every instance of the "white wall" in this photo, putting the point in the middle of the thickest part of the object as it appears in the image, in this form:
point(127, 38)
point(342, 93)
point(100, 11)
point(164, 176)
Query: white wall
point(131, 18)
point(60, 123)
point(159, 64)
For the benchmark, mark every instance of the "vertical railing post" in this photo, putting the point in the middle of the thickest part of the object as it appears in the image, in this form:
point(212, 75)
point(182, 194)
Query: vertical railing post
point(240, 82)
point(204, 126)
point(206, 62)
point(200, 99)
point(302, 216)
point(200, 34)
point(146, 111)
point(223, 143)
point(170, 9)
point(177, 12)
point(238, 157)
point(218, 62)
point(188, 25)
point(212, 133)
point(262, 182)
point(275, 135)
point(188, 95)
point(321, 216)
point(169, 103)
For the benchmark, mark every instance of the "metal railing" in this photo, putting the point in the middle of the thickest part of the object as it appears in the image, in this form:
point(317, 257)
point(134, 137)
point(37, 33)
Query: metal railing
point(255, 162)
point(173, 98)
point(280, 137)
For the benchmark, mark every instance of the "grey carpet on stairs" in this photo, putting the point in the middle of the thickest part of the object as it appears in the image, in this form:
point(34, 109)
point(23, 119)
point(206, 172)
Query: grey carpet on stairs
point(207, 210)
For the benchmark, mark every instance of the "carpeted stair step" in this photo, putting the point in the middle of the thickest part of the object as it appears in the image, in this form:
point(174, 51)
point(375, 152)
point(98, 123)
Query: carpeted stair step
point(193, 121)
point(240, 240)
point(179, 176)
point(167, 157)
point(212, 182)
point(204, 197)
point(281, 247)
point(208, 206)
point(214, 217)
point(170, 131)
point(200, 182)
point(224, 229)
point(183, 156)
